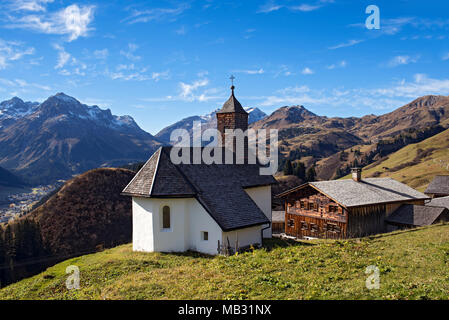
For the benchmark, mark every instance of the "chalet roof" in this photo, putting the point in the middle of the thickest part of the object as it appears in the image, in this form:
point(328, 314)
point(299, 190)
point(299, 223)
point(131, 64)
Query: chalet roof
point(439, 202)
point(439, 185)
point(415, 215)
point(232, 105)
point(218, 187)
point(350, 193)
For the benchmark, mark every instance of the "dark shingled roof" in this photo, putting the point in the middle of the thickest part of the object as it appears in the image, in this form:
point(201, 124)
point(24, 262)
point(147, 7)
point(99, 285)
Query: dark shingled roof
point(439, 185)
point(232, 105)
point(350, 193)
point(439, 202)
point(218, 187)
point(414, 215)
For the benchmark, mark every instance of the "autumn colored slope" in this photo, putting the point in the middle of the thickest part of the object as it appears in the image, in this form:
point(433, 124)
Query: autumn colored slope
point(416, 164)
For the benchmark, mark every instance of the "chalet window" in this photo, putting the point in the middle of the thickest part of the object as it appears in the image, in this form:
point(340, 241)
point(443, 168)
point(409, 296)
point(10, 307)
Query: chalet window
point(166, 217)
point(333, 228)
point(204, 235)
point(302, 204)
point(291, 223)
point(304, 225)
point(313, 227)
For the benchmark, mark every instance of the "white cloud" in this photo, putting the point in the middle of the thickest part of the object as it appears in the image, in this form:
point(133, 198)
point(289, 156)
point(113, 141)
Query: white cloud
point(63, 57)
point(383, 98)
point(341, 64)
point(156, 76)
point(128, 72)
point(307, 71)
point(72, 21)
point(346, 44)
point(129, 54)
point(181, 31)
point(283, 70)
point(422, 85)
point(305, 7)
point(272, 5)
point(137, 75)
point(446, 56)
point(187, 90)
point(101, 54)
point(66, 61)
point(269, 7)
point(251, 71)
point(29, 5)
point(396, 25)
point(156, 14)
point(22, 86)
point(402, 60)
point(12, 51)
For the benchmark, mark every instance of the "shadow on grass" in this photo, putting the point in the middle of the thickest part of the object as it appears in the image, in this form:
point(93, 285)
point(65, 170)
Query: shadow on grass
point(273, 243)
point(189, 253)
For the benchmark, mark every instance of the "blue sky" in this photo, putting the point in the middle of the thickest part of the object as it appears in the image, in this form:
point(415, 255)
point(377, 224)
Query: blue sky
point(161, 61)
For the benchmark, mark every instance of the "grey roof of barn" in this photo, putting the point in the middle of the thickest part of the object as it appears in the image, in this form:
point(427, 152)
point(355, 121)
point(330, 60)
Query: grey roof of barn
point(219, 188)
point(350, 193)
point(232, 105)
point(414, 215)
point(439, 202)
point(439, 185)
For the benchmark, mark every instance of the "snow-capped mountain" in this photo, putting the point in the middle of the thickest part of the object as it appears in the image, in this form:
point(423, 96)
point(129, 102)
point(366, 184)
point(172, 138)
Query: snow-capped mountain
point(15, 108)
point(61, 137)
point(207, 121)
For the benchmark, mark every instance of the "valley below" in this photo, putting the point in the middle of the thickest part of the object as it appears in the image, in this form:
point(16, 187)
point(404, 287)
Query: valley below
point(16, 201)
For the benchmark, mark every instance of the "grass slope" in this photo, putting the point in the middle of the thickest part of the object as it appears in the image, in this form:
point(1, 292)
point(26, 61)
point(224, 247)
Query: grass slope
point(413, 264)
point(416, 164)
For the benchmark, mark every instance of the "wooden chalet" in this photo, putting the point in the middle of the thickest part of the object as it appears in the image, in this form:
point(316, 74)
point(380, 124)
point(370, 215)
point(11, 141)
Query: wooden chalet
point(345, 208)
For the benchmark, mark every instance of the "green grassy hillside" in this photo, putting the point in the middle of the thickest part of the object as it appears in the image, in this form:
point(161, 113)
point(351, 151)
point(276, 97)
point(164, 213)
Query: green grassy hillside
point(416, 164)
point(413, 264)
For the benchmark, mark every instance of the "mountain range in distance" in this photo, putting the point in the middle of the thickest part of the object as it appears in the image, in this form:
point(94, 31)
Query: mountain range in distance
point(312, 139)
point(207, 121)
point(61, 137)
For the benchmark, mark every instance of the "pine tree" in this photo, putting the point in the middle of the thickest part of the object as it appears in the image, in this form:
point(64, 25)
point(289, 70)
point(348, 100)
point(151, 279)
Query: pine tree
point(300, 171)
point(288, 168)
point(10, 251)
point(311, 174)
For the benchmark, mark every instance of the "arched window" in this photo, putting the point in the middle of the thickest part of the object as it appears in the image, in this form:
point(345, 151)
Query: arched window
point(166, 217)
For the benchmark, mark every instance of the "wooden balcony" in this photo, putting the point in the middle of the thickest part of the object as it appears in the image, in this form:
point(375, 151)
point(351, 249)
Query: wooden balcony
point(321, 214)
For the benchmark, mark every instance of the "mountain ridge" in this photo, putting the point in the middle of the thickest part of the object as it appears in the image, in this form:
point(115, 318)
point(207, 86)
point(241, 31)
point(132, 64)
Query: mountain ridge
point(207, 121)
point(61, 137)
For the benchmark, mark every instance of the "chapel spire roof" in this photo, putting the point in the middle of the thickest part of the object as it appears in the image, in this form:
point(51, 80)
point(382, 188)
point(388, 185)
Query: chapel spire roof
point(232, 105)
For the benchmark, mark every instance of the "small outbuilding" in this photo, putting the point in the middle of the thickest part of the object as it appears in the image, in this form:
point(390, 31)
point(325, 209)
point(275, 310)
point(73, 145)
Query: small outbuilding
point(278, 223)
point(411, 216)
point(438, 187)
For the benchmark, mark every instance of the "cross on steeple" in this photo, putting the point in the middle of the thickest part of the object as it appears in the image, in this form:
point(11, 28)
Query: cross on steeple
point(232, 79)
point(232, 83)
